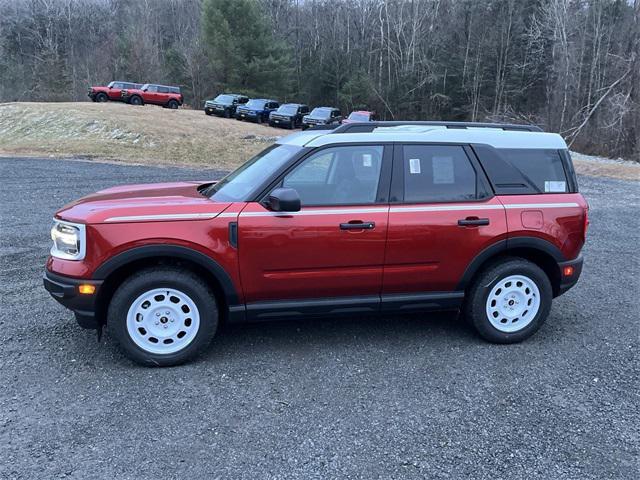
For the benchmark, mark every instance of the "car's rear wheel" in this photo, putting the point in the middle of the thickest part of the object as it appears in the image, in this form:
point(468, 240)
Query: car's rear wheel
point(509, 301)
point(135, 100)
point(173, 105)
point(101, 97)
point(163, 316)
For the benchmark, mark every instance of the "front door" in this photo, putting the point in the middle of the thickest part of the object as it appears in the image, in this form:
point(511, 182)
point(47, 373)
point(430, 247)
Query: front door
point(334, 246)
point(443, 216)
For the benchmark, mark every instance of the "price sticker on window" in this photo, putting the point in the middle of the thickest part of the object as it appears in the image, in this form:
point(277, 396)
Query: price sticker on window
point(367, 160)
point(555, 186)
point(414, 165)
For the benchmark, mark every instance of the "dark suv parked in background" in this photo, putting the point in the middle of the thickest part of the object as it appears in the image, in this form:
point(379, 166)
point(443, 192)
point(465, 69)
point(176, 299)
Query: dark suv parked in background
point(111, 91)
point(163, 95)
point(225, 104)
point(322, 116)
point(257, 110)
point(289, 115)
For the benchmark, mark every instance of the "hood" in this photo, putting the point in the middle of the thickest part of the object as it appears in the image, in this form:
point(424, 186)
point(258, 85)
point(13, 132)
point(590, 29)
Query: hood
point(143, 203)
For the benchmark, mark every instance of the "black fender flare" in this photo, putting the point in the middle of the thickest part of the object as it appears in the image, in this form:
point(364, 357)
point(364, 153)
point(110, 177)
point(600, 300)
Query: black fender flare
point(504, 246)
point(171, 251)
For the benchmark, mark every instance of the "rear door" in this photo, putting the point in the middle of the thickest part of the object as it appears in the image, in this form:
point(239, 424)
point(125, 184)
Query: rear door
point(334, 246)
point(442, 215)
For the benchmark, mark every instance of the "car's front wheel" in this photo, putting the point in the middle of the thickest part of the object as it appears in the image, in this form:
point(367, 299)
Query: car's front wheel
point(509, 301)
point(163, 316)
point(101, 97)
point(135, 100)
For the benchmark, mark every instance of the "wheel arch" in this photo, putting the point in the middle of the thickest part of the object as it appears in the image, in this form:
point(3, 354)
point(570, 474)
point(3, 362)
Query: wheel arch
point(116, 269)
point(536, 250)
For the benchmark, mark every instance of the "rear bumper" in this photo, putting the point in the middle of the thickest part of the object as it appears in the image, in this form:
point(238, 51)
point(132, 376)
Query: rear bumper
point(568, 281)
point(65, 290)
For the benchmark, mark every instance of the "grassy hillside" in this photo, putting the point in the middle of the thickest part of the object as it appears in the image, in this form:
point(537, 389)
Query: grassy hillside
point(115, 131)
point(150, 134)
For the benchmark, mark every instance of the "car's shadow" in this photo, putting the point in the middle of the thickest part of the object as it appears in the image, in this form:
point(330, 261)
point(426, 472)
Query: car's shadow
point(343, 333)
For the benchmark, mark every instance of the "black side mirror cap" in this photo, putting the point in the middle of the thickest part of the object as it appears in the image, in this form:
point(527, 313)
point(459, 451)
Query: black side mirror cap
point(284, 200)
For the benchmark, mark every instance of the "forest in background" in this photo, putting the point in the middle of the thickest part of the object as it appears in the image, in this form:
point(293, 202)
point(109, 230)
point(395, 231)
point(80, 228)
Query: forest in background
point(570, 66)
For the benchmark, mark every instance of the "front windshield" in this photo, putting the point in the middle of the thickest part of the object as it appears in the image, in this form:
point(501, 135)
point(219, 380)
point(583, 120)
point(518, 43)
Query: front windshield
point(289, 109)
point(144, 87)
point(359, 116)
point(242, 181)
point(321, 113)
point(228, 99)
point(110, 84)
point(255, 104)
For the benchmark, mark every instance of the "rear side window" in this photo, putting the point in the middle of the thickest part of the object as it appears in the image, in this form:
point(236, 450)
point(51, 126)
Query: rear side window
point(542, 168)
point(163, 90)
point(437, 173)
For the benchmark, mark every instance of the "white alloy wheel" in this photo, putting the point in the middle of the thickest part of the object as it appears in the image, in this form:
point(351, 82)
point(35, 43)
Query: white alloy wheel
point(163, 321)
point(513, 303)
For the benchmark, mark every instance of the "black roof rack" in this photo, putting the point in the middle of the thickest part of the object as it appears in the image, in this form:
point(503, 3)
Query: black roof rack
point(365, 127)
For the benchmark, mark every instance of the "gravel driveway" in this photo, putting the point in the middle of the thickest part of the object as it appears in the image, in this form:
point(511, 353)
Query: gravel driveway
point(391, 397)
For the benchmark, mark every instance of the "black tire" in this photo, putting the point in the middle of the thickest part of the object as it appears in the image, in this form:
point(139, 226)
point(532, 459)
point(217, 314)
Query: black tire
point(101, 97)
point(163, 277)
point(207, 113)
point(271, 124)
point(135, 100)
point(259, 119)
point(173, 105)
point(292, 123)
point(227, 113)
point(476, 301)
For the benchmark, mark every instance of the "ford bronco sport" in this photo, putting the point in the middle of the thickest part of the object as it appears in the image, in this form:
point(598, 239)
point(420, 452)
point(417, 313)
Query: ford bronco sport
point(163, 95)
point(224, 104)
point(365, 218)
point(256, 110)
point(288, 115)
point(321, 116)
point(112, 91)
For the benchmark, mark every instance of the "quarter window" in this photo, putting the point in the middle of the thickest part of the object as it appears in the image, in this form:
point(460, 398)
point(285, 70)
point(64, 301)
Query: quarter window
point(338, 176)
point(542, 168)
point(436, 173)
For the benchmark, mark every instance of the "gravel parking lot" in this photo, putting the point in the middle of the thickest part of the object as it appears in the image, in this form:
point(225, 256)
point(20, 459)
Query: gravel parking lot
point(389, 397)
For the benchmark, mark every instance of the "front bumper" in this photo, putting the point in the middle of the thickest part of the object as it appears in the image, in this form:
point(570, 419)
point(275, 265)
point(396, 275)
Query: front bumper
point(65, 290)
point(568, 281)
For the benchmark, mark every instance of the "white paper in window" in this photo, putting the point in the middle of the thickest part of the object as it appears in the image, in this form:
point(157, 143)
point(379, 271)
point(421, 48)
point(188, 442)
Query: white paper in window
point(556, 186)
point(367, 160)
point(443, 170)
point(414, 165)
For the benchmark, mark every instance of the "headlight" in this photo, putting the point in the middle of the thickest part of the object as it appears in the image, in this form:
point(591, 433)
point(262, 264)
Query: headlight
point(69, 240)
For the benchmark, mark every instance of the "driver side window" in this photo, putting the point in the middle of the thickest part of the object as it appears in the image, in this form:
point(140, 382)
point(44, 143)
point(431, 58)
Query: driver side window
point(346, 175)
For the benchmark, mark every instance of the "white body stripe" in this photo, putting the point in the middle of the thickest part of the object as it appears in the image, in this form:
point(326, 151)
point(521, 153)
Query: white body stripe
point(445, 208)
point(541, 205)
point(163, 217)
point(409, 209)
point(338, 211)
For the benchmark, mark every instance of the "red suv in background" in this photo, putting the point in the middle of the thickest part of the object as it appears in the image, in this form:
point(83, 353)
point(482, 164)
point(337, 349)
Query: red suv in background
point(366, 218)
point(360, 116)
point(166, 96)
point(112, 91)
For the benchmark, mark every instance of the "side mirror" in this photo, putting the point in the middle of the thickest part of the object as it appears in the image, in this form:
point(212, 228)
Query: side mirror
point(284, 200)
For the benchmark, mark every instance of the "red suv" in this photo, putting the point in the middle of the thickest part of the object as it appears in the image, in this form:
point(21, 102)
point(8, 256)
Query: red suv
point(367, 218)
point(113, 91)
point(169, 97)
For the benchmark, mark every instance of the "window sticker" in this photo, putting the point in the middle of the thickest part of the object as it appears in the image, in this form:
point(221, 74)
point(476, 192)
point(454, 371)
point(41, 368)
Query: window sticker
point(367, 160)
point(414, 165)
point(555, 186)
point(443, 170)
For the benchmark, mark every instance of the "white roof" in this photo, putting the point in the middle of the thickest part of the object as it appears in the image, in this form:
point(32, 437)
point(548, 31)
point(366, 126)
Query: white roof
point(495, 137)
